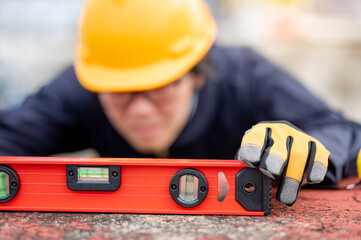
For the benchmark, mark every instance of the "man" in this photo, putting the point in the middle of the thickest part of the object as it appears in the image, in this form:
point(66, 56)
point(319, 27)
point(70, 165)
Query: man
point(152, 85)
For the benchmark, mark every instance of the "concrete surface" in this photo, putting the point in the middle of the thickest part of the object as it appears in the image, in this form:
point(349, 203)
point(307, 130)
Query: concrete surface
point(317, 214)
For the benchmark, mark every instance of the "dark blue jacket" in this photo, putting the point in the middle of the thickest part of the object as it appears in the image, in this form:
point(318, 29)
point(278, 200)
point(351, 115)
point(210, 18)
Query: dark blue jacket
point(64, 117)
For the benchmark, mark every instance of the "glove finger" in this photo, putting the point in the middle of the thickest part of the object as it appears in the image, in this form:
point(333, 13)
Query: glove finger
point(318, 163)
point(275, 157)
point(291, 181)
point(252, 146)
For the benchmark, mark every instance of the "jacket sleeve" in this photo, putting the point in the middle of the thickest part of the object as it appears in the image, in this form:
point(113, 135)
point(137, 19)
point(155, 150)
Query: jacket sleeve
point(47, 122)
point(278, 96)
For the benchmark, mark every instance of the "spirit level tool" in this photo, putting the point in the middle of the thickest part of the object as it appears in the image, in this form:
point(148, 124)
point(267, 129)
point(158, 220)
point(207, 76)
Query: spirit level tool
point(126, 185)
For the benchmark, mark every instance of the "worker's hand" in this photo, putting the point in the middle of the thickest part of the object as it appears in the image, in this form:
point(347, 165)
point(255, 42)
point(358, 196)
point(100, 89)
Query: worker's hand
point(280, 149)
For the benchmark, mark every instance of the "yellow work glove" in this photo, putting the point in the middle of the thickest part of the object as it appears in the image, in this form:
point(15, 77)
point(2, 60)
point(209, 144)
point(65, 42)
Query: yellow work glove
point(281, 149)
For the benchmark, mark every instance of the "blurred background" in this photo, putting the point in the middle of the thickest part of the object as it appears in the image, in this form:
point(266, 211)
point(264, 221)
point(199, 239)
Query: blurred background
point(318, 41)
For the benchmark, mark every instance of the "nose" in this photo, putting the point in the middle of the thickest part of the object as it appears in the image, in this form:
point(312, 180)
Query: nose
point(141, 106)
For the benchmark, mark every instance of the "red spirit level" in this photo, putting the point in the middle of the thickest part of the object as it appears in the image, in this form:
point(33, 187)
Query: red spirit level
point(171, 186)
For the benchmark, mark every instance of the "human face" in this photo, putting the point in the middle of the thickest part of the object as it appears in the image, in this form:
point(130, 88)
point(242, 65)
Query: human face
point(151, 121)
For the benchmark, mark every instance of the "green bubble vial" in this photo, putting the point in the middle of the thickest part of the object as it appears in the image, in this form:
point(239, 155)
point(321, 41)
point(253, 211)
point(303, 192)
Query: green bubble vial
point(4, 185)
point(93, 175)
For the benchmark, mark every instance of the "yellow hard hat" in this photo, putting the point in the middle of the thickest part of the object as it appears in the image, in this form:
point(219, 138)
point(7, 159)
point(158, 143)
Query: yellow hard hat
point(138, 45)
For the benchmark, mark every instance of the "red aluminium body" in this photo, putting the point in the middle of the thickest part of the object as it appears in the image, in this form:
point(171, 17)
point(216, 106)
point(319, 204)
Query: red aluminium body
point(144, 186)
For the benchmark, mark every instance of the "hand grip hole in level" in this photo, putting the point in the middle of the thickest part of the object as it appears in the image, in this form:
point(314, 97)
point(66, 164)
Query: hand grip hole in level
point(249, 187)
